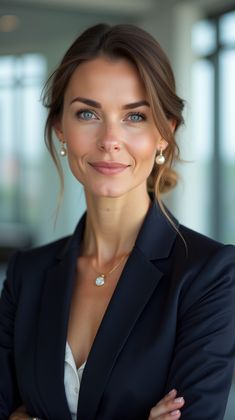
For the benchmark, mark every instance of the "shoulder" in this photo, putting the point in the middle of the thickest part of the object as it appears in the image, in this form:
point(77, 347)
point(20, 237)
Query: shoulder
point(40, 256)
point(194, 238)
point(27, 267)
point(33, 263)
point(51, 248)
point(201, 247)
point(207, 270)
point(201, 260)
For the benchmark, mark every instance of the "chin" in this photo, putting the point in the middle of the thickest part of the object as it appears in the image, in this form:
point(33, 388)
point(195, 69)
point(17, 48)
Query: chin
point(105, 191)
point(110, 194)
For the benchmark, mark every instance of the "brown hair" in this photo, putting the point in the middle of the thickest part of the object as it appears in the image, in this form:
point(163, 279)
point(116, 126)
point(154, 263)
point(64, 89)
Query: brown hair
point(135, 44)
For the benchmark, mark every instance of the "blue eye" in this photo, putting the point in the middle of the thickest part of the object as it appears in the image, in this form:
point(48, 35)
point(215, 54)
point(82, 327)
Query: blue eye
point(85, 114)
point(136, 117)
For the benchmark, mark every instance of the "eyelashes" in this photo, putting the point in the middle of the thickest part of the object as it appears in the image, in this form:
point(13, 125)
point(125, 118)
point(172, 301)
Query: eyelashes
point(139, 117)
point(85, 114)
point(88, 115)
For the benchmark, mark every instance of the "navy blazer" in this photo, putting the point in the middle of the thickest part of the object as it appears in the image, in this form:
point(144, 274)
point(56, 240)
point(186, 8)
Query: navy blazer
point(170, 324)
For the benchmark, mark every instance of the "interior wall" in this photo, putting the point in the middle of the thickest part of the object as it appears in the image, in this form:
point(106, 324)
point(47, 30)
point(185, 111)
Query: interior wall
point(52, 31)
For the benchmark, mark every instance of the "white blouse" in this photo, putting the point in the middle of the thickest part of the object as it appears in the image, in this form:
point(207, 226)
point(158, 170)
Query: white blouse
point(72, 380)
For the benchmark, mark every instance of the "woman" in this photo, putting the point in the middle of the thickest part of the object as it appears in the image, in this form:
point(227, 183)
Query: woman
point(138, 306)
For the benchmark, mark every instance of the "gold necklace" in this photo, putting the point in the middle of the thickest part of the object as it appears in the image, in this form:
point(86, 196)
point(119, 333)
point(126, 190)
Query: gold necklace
point(101, 278)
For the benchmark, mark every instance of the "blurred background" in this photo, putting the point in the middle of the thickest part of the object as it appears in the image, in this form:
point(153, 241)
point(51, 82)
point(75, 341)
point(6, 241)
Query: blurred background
point(199, 38)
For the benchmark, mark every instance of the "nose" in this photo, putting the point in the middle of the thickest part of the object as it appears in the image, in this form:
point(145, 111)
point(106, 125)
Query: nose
point(109, 141)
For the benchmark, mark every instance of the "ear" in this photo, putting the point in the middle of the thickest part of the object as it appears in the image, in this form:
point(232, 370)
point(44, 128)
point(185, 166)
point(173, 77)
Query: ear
point(172, 124)
point(162, 144)
point(58, 130)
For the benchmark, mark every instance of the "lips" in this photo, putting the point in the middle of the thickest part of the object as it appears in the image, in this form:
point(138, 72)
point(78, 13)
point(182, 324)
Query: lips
point(108, 167)
point(108, 164)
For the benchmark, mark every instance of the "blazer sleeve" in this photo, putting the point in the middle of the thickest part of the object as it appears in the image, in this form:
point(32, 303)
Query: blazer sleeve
point(9, 394)
point(202, 364)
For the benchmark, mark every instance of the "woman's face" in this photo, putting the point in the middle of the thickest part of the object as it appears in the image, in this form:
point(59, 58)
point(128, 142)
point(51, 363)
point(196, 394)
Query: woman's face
point(108, 127)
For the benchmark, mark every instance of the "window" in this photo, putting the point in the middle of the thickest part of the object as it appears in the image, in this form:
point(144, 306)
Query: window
point(213, 81)
point(21, 137)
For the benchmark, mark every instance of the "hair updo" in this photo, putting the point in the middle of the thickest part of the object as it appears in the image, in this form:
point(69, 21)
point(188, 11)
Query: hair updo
point(139, 47)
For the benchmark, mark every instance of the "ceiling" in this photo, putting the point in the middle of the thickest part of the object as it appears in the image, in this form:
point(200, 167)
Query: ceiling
point(131, 7)
point(43, 22)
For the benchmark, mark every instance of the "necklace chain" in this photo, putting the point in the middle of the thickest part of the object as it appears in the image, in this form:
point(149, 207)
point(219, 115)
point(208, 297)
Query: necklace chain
point(100, 280)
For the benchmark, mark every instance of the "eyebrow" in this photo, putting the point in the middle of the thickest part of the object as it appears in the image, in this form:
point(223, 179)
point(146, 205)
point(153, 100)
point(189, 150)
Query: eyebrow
point(95, 104)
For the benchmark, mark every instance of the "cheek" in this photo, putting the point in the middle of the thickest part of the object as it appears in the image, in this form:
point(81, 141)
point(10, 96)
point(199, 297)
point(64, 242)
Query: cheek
point(79, 140)
point(143, 147)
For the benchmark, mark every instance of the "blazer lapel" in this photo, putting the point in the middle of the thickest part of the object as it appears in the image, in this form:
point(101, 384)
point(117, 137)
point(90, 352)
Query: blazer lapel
point(52, 328)
point(137, 283)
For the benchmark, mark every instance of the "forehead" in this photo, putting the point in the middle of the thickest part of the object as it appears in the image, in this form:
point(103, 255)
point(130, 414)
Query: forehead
point(119, 78)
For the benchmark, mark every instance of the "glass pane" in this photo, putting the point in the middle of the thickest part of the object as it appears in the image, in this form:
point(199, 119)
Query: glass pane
point(6, 119)
point(33, 67)
point(203, 38)
point(32, 123)
point(202, 129)
point(8, 163)
point(203, 100)
point(227, 94)
point(7, 69)
point(21, 138)
point(227, 143)
point(8, 190)
point(227, 28)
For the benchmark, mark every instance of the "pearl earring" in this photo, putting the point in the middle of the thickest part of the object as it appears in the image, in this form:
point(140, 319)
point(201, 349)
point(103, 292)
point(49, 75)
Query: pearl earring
point(63, 151)
point(160, 159)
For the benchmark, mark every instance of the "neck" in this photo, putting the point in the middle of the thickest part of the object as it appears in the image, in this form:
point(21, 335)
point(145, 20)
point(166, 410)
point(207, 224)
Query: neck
point(112, 224)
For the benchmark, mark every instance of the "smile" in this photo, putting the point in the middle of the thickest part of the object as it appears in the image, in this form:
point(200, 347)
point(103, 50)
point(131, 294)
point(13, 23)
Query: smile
point(108, 168)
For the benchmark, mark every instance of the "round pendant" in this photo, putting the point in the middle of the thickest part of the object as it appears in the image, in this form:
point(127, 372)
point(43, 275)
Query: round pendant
point(99, 281)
